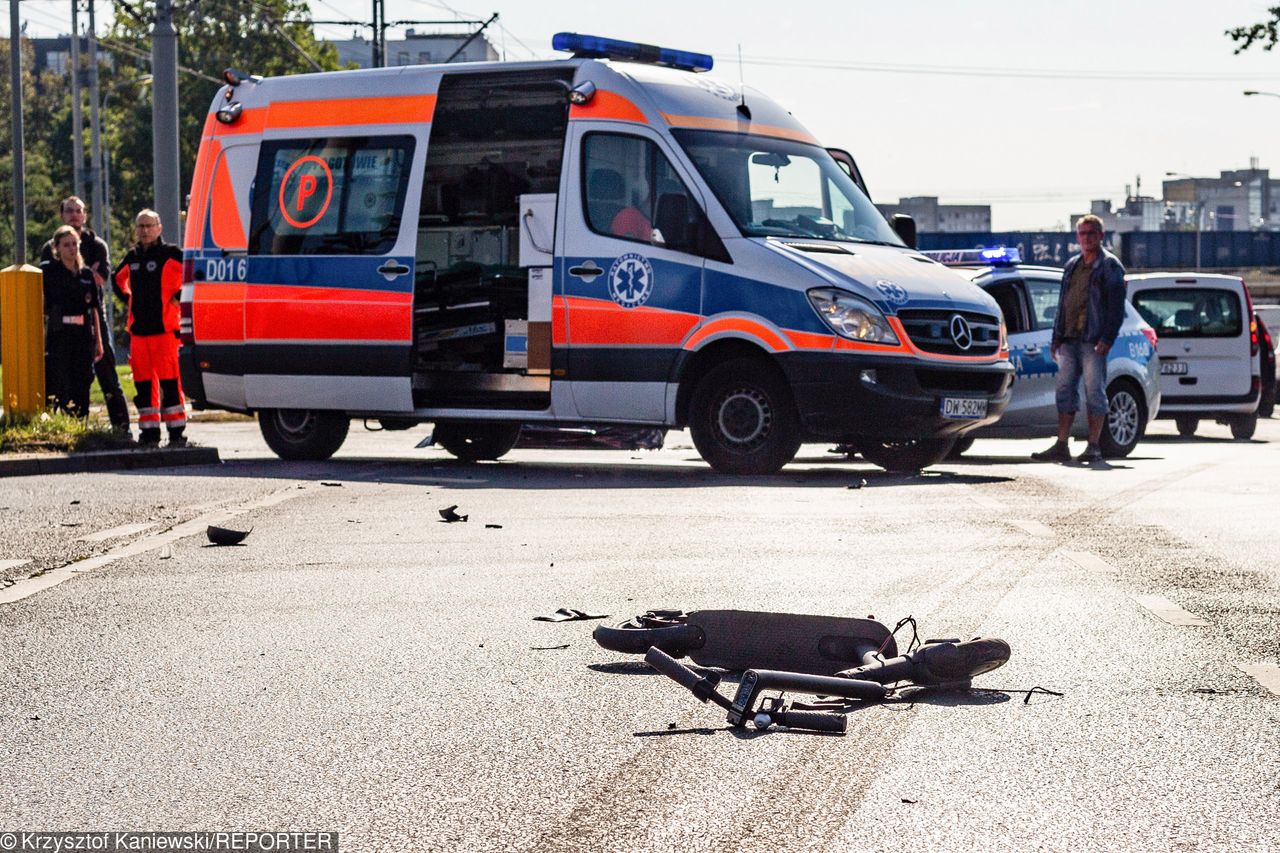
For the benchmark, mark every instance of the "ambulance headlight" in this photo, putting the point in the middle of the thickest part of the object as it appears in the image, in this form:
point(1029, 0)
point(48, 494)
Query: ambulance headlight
point(851, 316)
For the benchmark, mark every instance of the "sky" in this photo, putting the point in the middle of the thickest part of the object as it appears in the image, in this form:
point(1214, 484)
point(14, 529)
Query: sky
point(1033, 107)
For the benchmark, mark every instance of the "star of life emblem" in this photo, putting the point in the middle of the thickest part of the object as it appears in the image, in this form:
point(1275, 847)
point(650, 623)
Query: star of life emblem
point(630, 280)
point(892, 291)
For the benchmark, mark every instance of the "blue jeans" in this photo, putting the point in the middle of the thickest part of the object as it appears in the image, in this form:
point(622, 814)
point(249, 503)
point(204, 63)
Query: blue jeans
point(1074, 359)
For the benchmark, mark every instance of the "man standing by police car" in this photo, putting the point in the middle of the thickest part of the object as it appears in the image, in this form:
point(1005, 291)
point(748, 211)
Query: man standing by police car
point(98, 259)
point(1090, 311)
point(149, 280)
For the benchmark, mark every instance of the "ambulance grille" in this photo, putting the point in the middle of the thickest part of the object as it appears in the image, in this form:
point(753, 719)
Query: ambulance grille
point(930, 330)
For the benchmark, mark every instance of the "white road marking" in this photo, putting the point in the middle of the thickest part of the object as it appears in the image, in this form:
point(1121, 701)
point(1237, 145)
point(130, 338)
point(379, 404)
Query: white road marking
point(196, 526)
point(1164, 609)
point(12, 564)
point(1089, 560)
point(117, 532)
point(1035, 528)
point(1266, 674)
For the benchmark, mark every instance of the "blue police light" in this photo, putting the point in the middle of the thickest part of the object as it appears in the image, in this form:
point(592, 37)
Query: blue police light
point(1000, 257)
point(599, 47)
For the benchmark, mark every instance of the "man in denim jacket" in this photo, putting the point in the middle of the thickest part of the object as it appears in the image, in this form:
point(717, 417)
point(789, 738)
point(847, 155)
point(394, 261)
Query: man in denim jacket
point(1090, 311)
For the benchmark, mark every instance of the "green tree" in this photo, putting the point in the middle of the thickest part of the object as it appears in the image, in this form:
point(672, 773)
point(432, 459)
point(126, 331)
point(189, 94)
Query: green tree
point(266, 37)
point(1264, 33)
point(46, 121)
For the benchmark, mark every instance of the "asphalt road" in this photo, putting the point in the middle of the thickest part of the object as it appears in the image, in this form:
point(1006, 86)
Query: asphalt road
point(360, 665)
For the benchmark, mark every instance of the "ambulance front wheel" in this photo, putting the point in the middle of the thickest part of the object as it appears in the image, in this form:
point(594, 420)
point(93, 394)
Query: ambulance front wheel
point(472, 442)
point(303, 434)
point(743, 418)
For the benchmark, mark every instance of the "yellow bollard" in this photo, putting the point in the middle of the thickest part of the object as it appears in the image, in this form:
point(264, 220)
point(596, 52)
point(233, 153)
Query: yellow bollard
point(22, 339)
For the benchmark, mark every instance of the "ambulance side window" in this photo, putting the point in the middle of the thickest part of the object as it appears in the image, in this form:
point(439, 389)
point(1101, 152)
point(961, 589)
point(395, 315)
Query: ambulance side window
point(631, 191)
point(335, 196)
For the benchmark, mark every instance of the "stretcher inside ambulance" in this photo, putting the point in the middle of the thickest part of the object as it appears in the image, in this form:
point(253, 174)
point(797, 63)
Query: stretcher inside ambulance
point(614, 239)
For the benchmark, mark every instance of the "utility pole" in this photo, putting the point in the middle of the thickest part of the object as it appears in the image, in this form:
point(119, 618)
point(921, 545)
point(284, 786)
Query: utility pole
point(19, 164)
point(378, 33)
point(95, 125)
point(164, 118)
point(77, 105)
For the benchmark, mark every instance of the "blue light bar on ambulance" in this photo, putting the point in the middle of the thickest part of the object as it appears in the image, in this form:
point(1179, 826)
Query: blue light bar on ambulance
point(1004, 256)
point(599, 47)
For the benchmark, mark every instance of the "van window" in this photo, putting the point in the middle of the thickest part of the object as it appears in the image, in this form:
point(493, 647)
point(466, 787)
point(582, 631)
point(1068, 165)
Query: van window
point(336, 196)
point(1191, 312)
point(779, 188)
point(631, 191)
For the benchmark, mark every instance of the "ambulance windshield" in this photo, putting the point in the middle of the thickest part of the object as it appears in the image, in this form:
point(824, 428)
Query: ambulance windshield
point(779, 188)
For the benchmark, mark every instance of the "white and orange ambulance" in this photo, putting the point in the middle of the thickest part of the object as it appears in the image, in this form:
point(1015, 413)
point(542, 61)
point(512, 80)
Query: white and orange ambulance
point(611, 239)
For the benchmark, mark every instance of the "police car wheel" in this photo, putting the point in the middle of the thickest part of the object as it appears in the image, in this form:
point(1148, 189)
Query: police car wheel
point(743, 418)
point(472, 442)
point(303, 434)
point(908, 455)
point(962, 444)
point(1126, 421)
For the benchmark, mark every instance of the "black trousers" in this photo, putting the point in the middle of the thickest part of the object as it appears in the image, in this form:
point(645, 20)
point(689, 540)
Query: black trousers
point(112, 393)
point(68, 370)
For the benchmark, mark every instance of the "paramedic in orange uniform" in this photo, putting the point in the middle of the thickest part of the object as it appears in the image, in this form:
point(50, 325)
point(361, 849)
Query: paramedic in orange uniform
point(149, 280)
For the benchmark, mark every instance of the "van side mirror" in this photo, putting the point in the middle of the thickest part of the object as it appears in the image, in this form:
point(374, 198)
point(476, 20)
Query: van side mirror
point(905, 227)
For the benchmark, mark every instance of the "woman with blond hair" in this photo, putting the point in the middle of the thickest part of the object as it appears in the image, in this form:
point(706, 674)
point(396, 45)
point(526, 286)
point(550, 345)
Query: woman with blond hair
point(74, 339)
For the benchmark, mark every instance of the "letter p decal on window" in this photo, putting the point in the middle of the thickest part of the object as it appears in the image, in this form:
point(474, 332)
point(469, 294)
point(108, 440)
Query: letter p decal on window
point(305, 191)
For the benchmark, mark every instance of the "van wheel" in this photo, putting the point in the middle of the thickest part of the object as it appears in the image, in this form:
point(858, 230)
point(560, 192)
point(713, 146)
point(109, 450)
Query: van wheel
point(1267, 405)
point(743, 418)
point(962, 444)
point(1186, 425)
point(472, 442)
point(1126, 421)
point(1243, 426)
point(303, 434)
point(908, 456)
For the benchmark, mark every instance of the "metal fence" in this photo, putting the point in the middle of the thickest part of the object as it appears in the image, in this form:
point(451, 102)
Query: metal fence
point(1136, 249)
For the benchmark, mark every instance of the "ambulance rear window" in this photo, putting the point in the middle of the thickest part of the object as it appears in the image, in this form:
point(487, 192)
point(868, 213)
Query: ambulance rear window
point(335, 196)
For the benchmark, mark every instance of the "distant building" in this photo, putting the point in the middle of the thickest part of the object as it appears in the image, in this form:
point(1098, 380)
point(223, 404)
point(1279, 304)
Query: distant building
point(1138, 213)
point(1236, 200)
point(54, 54)
point(417, 49)
point(934, 218)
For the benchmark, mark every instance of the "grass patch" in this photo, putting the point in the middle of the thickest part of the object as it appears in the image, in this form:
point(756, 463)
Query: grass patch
point(57, 433)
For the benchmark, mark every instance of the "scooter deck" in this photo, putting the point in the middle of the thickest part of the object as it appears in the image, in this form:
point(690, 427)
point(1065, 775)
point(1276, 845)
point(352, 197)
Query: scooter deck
point(753, 639)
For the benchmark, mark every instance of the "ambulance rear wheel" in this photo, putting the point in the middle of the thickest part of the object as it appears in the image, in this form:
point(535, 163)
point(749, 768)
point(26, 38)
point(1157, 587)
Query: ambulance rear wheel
point(909, 455)
point(472, 442)
point(743, 418)
point(1186, 425)
point(303, 434)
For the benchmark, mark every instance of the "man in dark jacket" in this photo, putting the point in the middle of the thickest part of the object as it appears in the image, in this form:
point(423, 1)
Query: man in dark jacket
point(149, 280)
point(97, 257)
point(1090, 311)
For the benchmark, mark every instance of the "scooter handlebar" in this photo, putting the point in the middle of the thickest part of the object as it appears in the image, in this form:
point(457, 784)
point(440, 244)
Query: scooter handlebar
point(702, 687)
point(814, 721)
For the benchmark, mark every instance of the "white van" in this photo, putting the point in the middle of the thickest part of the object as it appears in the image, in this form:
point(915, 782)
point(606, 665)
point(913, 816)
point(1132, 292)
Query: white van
point(613, 239)
point(1208, 347)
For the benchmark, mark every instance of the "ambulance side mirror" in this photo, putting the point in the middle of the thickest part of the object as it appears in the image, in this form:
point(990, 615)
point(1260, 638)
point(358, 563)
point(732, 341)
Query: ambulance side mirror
point(905, 227)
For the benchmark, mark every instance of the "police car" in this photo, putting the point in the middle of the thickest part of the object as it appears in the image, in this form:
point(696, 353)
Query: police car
point(1028, 297)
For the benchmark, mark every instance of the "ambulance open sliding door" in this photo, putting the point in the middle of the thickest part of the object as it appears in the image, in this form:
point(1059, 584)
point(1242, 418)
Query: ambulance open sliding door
point(631, 276)
point(328, 306)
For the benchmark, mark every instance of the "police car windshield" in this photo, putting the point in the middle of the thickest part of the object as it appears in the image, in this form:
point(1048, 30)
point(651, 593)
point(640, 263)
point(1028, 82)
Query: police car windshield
point(779, 188)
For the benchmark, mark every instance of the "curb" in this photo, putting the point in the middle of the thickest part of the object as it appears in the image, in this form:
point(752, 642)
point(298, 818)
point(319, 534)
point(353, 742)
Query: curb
point(108, 460)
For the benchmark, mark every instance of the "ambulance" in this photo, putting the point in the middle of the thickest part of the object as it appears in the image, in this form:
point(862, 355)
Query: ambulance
point(616, 239)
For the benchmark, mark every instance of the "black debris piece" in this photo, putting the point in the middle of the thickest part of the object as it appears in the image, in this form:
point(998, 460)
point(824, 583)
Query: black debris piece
point(493, 526)
point(70, 524)
point(226, 536)
point(449, 515)
point(905, 800)
point(858, 485)
point(324, 483)
point(548, 648)
point(73, 503)
point(568, 614)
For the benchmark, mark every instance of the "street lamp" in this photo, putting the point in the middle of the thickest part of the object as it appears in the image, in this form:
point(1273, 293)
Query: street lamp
point(1199, 209)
